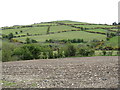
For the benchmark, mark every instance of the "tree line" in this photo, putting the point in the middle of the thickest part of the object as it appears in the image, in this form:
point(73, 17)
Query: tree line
point(65, 41)
point(36, 51)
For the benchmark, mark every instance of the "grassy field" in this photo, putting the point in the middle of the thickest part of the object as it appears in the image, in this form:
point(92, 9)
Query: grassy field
point(66, 35)
point(61, 28)
point(32, 30)
point(113, 42)
point(44, 24)
point(70, 22)
point(100, 30)
point(36, 30)
point(95, 26)
point(99, 52)
point(8, 31)
point(114, 29)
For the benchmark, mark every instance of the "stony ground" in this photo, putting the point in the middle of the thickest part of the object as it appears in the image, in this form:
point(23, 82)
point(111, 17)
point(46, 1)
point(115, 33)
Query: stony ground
point(81, 72)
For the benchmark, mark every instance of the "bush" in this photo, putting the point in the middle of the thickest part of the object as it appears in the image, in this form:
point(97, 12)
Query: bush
point(28, 52)
point(28, 41)
point(33, 41)
point(50, 54)
point(110, 53)
point(10, 36)
point(60, 53)
point(65, 41)
point(4, 36)
point(86, 52)
point(104, 52)
point(44, 55)
point(70, 50)
point(7, 52)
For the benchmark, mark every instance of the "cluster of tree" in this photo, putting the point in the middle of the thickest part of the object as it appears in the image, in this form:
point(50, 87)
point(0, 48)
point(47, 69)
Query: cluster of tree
point(108, 53)
point(18, 32)
point(114, 23)
point(110, 35)
point(13, 52)
point(96, 40)
point(3, 28)
point(35, 51)
point(16, 27)
point(7, 52)
point(9, 36)
point(28, 41)
point(66, 41)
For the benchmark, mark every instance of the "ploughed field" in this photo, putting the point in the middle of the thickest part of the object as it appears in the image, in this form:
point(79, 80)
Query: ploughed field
point(78, 72)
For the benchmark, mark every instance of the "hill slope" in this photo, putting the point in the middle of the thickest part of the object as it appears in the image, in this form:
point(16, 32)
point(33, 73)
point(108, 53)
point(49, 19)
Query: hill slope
point(60, 30)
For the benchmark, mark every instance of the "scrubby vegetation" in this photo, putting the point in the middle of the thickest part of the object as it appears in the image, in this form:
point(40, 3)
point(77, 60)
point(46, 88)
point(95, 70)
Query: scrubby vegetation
point(35, 51)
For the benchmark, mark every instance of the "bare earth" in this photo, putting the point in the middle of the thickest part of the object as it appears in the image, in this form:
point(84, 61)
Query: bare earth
point(80, 72)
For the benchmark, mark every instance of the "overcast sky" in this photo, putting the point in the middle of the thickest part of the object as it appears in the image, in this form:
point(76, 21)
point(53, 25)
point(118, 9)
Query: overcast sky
point(23, 12)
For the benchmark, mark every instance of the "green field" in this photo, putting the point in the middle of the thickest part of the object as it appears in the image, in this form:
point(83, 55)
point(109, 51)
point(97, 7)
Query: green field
point(70, 22)
point(61, 28)
point(44, 24)
point(32, 30)
point(36, 30)
point(8, 31)
point(99, 52)
point(100, 30)
point(95, 26)
point(114, 29)
point(66, 35)
point(113, 42)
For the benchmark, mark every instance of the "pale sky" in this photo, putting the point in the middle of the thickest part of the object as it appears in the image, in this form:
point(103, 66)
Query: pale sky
point(25, 12)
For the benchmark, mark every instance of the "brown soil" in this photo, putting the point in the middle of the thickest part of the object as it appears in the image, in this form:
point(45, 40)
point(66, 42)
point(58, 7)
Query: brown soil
point(79, 72)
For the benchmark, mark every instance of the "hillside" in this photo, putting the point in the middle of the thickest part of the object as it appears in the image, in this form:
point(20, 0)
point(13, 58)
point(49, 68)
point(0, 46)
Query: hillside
point(58, 39)
point(59, 30)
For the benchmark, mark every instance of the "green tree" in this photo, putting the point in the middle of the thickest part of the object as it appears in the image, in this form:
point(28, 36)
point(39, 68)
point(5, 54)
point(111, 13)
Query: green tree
point(28, 41)
point(50, 54)
point(48, 30)
point(33, 41)
point(44, 55)
point(70, 50)
point(16, 32)
point(74, 41)
point(28, 52)
point(21, 31)
point(86, 52)
point(7, 52)
point(104, 52)
point(10, 36)
point(28, 34)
